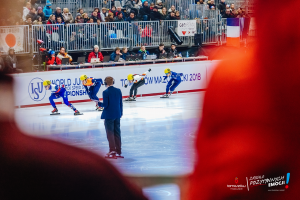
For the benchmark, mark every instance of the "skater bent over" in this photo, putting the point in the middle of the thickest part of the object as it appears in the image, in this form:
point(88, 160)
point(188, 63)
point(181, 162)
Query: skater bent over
point(57, 92)
point(138, 81)
point(92, 87)
point(112, 112)
point(173, 82)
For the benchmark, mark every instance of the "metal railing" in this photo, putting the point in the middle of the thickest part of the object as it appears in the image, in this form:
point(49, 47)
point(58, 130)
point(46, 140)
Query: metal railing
point(208, 30)
point(114, 34)
point(145, 33)
point(16, 37)
point(81, 36)
point(52, 35)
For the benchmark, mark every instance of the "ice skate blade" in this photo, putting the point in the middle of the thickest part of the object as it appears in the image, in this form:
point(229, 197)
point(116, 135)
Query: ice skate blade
point(164, 97)
point(55, 114)
point(107, 157)
point(129, 100)
point(120, 156)
point(78, 113)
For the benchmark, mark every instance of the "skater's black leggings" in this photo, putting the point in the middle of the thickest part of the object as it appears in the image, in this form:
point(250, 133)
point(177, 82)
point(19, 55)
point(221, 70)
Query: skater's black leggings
point(135, 86)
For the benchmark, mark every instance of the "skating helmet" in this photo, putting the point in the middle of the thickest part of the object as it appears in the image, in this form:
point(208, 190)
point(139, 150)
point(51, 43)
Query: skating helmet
point(83, 77)
point(46, 82)
point(167, 70)
point(130, 77)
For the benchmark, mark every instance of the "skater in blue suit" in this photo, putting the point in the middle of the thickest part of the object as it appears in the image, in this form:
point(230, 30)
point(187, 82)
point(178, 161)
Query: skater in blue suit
point(58, 92)
point(92, 87)
point(173, 82)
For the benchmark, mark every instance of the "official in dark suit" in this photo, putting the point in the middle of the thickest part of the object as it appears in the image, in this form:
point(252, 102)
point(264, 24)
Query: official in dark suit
point(113, 111)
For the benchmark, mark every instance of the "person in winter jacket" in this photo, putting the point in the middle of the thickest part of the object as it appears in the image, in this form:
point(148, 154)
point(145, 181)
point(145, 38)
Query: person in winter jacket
point(11, 62)
point(47, 10)
point(32, 14)
point(155, 15)
point(145, 11)
point(53, 60)
point(222, 7)
point(67, 16)
point(95, 54)
point(103, 14)
point(41, 14)
point(26, 11)
point(58, 13)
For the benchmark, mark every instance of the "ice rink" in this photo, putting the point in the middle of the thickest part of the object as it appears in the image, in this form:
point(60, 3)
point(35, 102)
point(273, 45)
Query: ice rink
point(157, 134)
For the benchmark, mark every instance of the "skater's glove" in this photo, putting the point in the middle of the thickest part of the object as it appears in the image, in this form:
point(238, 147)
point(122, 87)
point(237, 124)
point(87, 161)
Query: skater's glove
point(125, 86)
point(149, 70)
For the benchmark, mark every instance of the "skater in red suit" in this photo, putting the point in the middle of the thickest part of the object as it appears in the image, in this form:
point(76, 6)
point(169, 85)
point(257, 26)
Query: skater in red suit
point(251, 115)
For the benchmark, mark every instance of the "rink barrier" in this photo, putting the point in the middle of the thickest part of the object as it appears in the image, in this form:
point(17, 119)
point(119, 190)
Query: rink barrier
point(101, 99)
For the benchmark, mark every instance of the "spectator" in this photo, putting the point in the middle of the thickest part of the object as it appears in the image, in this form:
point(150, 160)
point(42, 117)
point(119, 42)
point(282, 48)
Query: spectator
point(145, 11)
point(171, 16)
point(62, 54)
point(11, 62)
point(129, 5)
point(159, 50)
point(58, 13)
point(79, 18)
point(32, 14)
point(172, 9)
point(173, 50)
point(164, 13)
point(47, 10)
point(28, 21)
point(138, 4)
point(81, 11)
point(125, 53)
point(110, 17)
point(119, 10)
point(95, 54)
point(131, 18)
point(91, 21)
point(39, 20)
point(94, 17)
point(98, 12)
point(115, 53)
point(227, 14)
point(41, 14)
point(177, 15)
point(211, 5)
point(85, 18)
point(26, 11)
point(159, 5)
point(143, 51)
point(51, 20)
point(2, 63)
point(151, 6)
point(67, 16)
point(222, 7)
point(59, 21)
point(155, 15)
point(147, 35)
point(234, 12)
point(103, 14)
point(113, 11)
point(52, 59)
point(98, 22)
point(119, 17)
point(200, 1)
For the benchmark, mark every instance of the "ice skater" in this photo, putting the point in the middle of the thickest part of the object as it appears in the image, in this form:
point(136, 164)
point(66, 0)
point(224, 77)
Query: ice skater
point(58, 92)
point(173, 82)
point(138, 81)
point(92, 87)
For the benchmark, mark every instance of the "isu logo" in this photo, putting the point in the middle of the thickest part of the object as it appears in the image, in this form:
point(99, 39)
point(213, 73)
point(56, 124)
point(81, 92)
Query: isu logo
point(36, 90)
point(236, 180)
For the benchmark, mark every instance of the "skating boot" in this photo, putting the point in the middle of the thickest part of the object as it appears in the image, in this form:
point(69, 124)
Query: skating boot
point(111, 155)
point(134, 97)
point(77, 113)
point(100, 108)
point(130, 99)
point(55, 112)
point(165, 96)
point(119, 156)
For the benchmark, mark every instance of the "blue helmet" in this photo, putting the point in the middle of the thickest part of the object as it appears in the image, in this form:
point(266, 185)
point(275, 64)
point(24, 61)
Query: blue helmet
point(51, 52)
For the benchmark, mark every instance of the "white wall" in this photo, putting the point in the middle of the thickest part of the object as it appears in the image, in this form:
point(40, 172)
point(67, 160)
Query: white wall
point(29, 89)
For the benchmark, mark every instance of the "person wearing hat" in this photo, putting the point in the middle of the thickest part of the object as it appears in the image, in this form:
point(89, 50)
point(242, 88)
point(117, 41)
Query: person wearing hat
point(41, 14)
point(47, 10)
point(52, 59)
point(155, 15)
point(138, 81)
point(172, 83)
point(79, 18)
point(103, 14)
point(159, 5)
point(95, 54)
